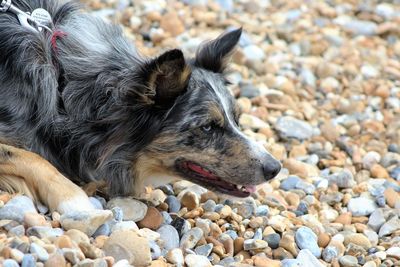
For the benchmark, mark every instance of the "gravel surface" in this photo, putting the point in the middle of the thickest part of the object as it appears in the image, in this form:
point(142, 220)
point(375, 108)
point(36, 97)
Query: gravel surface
point(319, 85)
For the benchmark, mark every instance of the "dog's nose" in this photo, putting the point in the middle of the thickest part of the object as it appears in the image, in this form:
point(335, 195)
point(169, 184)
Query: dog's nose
point(271, 168)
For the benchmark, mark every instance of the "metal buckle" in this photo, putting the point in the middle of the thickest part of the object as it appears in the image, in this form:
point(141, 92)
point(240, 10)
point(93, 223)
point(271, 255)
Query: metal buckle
point(5, 5)
point(24, 18)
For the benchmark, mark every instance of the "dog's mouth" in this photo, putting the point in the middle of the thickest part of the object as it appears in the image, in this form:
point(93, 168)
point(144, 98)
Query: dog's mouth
point(206, 178)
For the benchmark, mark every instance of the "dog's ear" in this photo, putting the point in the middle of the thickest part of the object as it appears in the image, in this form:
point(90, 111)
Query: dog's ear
point(213, 55)
point(168, 76)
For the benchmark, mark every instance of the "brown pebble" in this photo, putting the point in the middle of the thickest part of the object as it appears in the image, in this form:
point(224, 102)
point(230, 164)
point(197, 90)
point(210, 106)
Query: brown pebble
point(55, 260)
point(323, 239)
point(265, 262)
point(170, 22)
point(158, 263)
point(213, 216)
point(63, 241)
point(219, 250)
point(281, 254)
point(190, 200)
point(391, 197)
point(238, 244)
point(377, 171)
point(90, 251)
point(152, 220)
point(209, 195)
point(100, 240)
point(287, 242)
point(344, 218)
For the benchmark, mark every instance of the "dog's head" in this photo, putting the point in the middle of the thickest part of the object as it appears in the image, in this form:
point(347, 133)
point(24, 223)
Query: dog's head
point(200, 139)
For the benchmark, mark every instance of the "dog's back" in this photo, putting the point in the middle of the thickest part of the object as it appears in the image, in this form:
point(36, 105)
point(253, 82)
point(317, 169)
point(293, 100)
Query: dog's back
point(54, 85)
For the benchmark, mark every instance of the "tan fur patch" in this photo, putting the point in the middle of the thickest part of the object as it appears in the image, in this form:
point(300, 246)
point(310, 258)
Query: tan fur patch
point(216, 114)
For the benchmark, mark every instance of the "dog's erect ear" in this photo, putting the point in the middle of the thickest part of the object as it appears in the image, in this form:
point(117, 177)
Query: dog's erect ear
point(168, 77)
point(214, 54)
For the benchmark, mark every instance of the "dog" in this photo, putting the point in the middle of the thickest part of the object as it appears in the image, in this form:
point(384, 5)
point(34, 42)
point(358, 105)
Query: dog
point(79, 104)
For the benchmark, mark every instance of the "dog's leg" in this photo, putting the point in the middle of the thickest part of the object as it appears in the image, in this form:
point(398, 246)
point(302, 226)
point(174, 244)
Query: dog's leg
point(26, 172)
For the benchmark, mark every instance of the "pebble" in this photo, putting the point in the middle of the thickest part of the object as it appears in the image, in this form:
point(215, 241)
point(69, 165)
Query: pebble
point(197, 261)
point(348, 261)
point(170, 236)
point(361, 206)
point(252, 244)
point(307, 239)
point(174, 205)
point(29, 260)
point(39, 251)
point(175, 256)
point(133, 209)
point(307, 258)
point(273, 240)
point(16, 208)
point(85, 221)
point(191, 237)
point(152, 220)
point(128, 245)
point(289, 127)
point(390, 226)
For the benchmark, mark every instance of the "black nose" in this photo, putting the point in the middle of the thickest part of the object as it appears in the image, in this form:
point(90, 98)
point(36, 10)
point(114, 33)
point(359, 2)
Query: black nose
point(271, 168)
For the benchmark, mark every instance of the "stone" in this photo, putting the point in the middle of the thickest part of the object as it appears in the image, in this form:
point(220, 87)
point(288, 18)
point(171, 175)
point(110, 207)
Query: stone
point(361, 206)
point(323, 240)
point(16, 255)
point(393, 252)
point(244, 209)
point(77, 236)
point(192, 260)
point(10, 263)
point(344, 218)
point(289, 127)
point(204, 250)
point(273, 240)
point(289, 183)
point(265, 262)
point(307, 258)
point(39, 251)
point(170, 22)
point(357, 239)
point(35, 219)
point(175, 256)
point(191, 237)
point(248, 121)
point(370, 159)
point(63, 241)
point(55, 259)
point(85, 221)
point(152, 220)
point(174, 205)
point(343, 179)
point(253, 244)
point(128, 245)
point(29, 261)
point(133, 209)
point(190, 200)
point(376, 220)
point(330, 253)
point(348, 261)
point(71, 255)
point(307, 239)
point(170, 236)
point(391, 197)
point(44, 231)
point(124, 225)
point(390, 226)
point(16, 208)
point(299, 168)
point(253, 53)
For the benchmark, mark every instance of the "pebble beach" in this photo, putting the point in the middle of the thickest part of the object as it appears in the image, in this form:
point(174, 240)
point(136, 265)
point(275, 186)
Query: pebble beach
point(318, 83)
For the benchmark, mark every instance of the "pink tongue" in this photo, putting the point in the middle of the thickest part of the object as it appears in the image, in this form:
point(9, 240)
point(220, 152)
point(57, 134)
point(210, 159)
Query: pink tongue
point(198, 169)
point(250, 188)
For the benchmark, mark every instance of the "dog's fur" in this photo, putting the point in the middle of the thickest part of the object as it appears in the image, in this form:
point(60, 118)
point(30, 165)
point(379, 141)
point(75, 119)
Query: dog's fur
point(96, 109)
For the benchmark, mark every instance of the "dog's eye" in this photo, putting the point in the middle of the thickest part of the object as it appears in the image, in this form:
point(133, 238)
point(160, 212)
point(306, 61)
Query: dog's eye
point(207, 128)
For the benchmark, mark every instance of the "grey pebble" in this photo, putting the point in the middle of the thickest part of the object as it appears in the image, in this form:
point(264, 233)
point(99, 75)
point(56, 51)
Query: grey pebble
point(273, 240)
point(174, 205)
point(10, 263)
point(16, 208)
point(307, 239)
point(155, 250)
point(28, 261)
point(39, 251)
point(204, 250)
point(289, 183)
point(170, 236)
